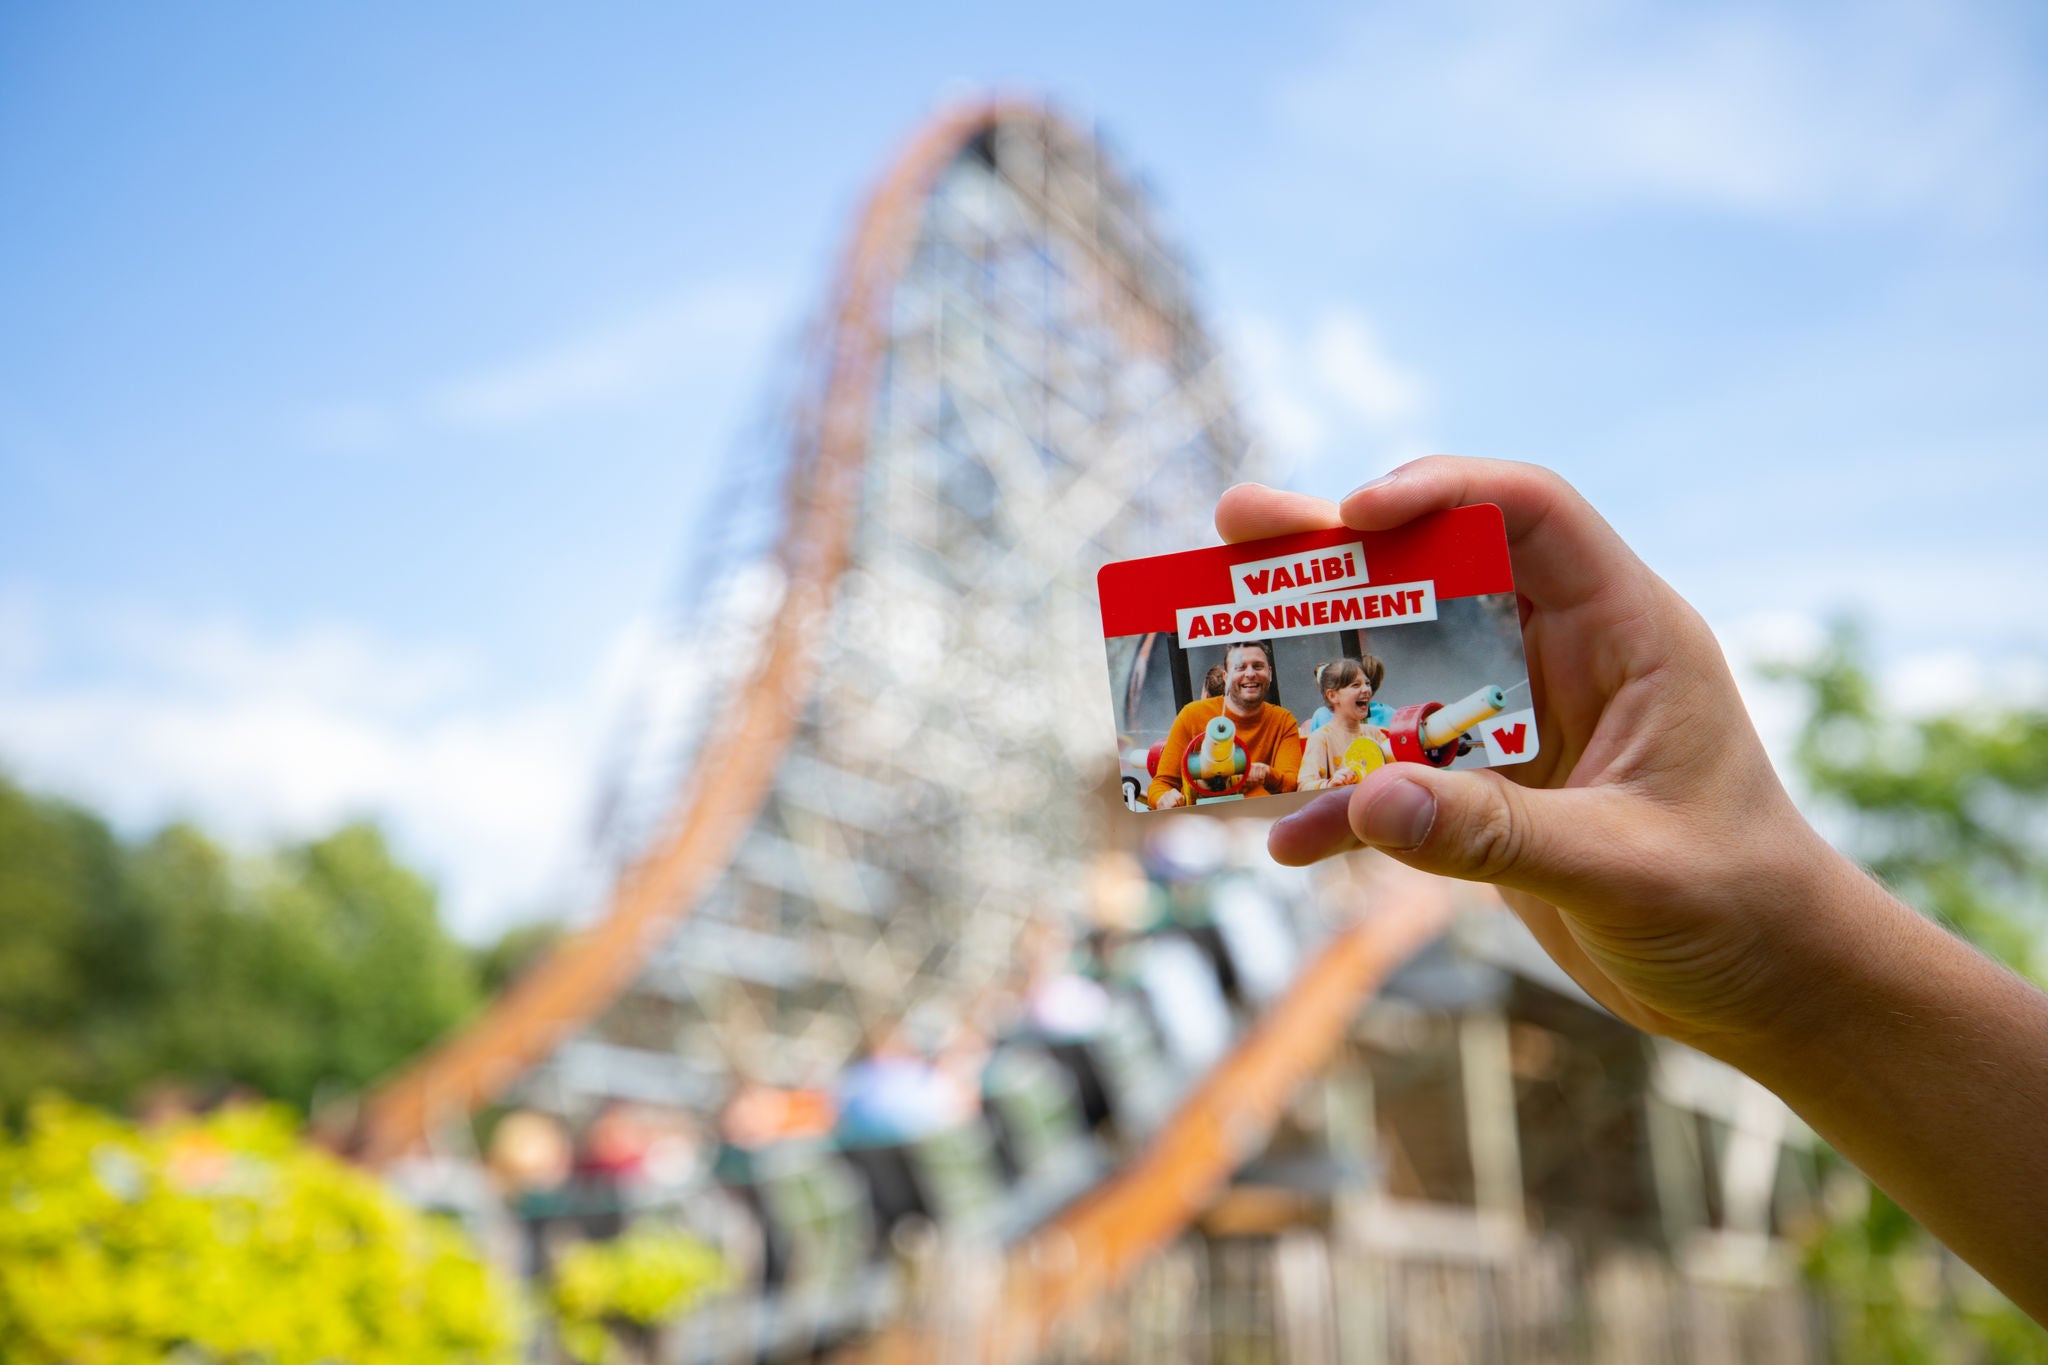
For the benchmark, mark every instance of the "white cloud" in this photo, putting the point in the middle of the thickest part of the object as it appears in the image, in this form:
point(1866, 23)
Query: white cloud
point(624, 358)
point(1285, 414)
point(1912, 600)
point(1333, 382)
point(331, 665)
point(261, 737)
point(1765, 109)
point(1923, 682)
point(1355, 371)
point(713, 333)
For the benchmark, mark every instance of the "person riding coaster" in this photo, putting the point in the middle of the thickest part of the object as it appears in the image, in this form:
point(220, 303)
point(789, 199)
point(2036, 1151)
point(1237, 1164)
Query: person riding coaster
point(1431, 732)
point(1267, 734)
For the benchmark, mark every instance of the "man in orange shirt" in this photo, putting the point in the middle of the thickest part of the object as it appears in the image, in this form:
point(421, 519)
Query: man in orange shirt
point(1269, 734)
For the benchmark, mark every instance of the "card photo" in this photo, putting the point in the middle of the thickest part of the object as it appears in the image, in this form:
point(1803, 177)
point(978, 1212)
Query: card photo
point(1306, 662)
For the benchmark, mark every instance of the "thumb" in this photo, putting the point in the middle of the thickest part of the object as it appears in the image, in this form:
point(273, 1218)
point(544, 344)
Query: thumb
point(1478, 826)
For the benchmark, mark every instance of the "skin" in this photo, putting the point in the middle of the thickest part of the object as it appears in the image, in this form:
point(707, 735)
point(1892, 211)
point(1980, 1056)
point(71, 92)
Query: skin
point(1652, 851)
point(1248, 677)
point(1349, 707)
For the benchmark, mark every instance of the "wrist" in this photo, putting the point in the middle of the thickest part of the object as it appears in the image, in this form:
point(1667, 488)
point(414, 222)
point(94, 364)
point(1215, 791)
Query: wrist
point(1848, 958)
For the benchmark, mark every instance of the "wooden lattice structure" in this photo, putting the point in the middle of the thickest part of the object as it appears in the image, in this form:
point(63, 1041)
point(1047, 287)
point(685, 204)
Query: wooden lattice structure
point(883, 775)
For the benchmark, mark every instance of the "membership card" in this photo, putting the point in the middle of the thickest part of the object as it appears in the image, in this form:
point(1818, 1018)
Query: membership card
point(1309, 661)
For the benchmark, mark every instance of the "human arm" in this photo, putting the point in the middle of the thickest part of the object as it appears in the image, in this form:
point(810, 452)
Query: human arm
point(1926, 1064)
point(1651, 849)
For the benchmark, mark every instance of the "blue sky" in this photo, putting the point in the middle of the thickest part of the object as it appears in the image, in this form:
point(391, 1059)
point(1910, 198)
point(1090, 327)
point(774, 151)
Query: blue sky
point(363, 364)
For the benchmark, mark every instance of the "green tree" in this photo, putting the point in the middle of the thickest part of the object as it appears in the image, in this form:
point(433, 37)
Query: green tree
point(74, 954)
point(1949, 811)
point(381, 977)
point(224, 1006)
point(518, 948)
point(324, 963)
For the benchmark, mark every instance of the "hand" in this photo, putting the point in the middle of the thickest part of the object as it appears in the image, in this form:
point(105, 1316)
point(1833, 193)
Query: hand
point(1168, 799)
point(1344, 777)
point(1256, 775)
point(1650, 847)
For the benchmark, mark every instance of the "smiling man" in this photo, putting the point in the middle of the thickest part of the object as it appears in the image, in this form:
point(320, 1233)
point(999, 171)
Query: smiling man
point(1269, 734)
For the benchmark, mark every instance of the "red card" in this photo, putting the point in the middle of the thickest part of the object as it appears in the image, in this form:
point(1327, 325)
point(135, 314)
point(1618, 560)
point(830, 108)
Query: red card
point(1308, 661)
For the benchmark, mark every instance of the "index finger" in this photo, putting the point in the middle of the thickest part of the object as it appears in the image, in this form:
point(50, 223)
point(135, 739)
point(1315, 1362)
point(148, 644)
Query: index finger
point(1564, 552)
point(1252, 511)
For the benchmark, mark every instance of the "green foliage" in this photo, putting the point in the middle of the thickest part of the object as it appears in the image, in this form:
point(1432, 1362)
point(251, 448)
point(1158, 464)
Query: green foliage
point(225, 1240)
point(603, 1292)
point(71, 937)
point(1948, 810)
point(1899, 1298)
point(324, 964)
point(517, 949)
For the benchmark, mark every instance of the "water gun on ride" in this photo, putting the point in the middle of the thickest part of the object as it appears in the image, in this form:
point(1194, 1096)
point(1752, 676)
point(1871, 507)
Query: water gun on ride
point(1215, 765)
point(1429, 732)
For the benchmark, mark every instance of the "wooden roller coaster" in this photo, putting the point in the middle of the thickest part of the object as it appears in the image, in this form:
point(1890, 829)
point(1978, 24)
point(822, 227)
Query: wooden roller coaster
point(1100, 1238)
point(585, 972)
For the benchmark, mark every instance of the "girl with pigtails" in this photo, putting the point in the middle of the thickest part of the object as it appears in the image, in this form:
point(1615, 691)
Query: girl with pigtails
point(1348, 686)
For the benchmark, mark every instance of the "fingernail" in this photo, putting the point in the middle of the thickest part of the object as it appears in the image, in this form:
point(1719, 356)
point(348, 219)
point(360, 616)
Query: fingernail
point(1398, 816)
point(1381, 482)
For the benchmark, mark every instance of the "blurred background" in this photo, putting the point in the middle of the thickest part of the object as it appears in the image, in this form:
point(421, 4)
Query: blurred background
point(419, 432)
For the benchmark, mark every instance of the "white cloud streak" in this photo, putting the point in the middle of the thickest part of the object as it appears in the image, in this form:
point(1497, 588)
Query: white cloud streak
point(1332, 382)
point(266, 736)
point(1765, 110)
point(1356, 372)
point(624, 359)
point(711, 334)
point(1924, 682)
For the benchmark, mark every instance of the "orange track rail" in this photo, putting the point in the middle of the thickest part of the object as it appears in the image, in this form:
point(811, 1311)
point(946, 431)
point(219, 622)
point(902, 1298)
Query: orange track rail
point(585, 973)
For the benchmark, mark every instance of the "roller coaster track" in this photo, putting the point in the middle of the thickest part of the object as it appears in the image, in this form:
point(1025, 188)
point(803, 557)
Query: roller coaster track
point(584, 973)
point(1098, 1239)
